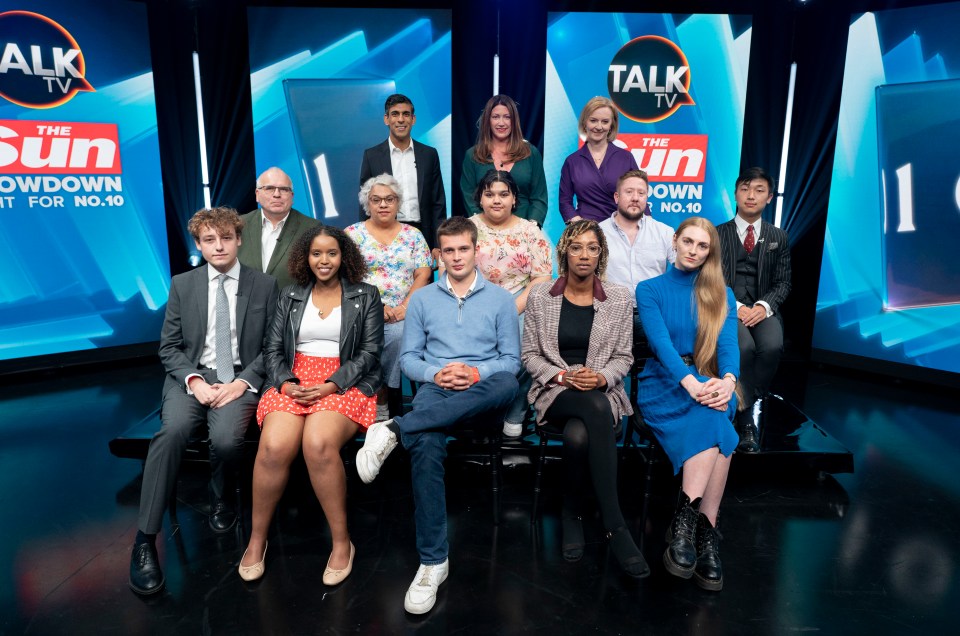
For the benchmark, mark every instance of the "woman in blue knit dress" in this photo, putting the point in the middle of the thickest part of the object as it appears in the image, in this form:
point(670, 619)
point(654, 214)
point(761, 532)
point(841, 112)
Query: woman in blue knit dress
point(687, 393)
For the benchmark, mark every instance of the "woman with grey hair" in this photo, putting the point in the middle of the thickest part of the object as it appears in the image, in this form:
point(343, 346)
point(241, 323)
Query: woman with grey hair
point(398, 264)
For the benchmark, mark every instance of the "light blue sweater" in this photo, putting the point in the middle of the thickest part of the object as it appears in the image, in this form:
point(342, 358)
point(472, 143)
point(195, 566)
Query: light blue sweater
point(482, 331)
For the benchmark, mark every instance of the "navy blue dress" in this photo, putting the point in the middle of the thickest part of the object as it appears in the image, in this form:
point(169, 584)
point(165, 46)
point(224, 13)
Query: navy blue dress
point(668, 312)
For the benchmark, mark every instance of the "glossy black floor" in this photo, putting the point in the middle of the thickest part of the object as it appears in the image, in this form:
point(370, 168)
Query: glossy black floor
point(874, 552)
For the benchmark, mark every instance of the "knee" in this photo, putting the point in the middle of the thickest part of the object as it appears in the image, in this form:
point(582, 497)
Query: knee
point(320, 451)
point(426, 446)
point(575, 438)
point(272, 455)
point(748, 348)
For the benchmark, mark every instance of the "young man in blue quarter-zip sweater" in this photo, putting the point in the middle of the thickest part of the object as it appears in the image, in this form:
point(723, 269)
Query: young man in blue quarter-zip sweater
point(461, 341)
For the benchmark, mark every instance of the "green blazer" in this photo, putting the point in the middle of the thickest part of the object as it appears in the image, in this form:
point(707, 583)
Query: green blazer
point(250, 250)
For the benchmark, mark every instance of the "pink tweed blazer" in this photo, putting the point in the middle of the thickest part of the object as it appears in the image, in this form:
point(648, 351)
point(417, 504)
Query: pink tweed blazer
point(610, 351)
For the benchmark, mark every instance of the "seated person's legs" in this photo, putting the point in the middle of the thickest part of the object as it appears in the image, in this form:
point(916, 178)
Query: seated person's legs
point(228, 429)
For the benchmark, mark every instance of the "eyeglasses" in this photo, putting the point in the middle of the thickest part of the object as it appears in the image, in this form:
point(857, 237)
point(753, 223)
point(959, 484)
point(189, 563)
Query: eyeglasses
point(390, 199)
point(576, 249)
point(270, 189)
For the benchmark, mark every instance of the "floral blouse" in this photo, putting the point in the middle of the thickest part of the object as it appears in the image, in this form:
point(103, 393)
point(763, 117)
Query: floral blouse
point(510, 258)
point(391, 267)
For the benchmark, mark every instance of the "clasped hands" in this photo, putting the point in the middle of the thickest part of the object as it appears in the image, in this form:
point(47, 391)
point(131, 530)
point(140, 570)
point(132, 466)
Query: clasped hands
point(216, 395)
point(751, 316)
point(584, 379)
point(455, 376)
point(715, 393)
point(308, 395)
point(394, 314)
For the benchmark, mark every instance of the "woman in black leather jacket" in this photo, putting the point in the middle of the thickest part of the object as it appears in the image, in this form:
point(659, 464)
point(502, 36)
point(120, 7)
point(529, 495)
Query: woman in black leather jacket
point(322, 356)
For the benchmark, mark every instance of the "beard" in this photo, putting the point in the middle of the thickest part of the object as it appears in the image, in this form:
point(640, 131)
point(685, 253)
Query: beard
point(630, 216)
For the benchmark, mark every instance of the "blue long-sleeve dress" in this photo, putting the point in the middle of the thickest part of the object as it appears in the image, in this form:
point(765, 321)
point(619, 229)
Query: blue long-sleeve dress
point(668, 311)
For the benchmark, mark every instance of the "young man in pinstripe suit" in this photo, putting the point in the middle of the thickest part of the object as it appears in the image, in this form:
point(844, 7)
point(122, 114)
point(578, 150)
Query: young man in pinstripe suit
point(756, 265)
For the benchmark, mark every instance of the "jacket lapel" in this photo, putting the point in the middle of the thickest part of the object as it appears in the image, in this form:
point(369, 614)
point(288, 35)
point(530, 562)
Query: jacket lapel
point(203, 293)
point(421, 162)
point(252, 233)
point(245, 290)
point(290, 229)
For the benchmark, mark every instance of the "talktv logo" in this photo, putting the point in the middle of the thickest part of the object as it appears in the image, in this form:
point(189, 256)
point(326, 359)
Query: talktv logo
point(649, 79)
point(41, 65)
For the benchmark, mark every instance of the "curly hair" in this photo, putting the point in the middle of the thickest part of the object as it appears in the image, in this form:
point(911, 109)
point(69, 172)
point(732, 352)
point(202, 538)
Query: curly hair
point(576, 230)
point(518, 148)
point(384, 179)
point(220, 219)
point(353, 267)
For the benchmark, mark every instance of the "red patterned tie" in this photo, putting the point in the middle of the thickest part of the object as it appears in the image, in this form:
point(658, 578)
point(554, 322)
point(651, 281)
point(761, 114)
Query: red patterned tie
point(749, 240)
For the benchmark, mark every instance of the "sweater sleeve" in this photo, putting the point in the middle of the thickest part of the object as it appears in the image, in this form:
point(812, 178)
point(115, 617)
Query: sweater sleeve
point(413, 342)
point(508, 341)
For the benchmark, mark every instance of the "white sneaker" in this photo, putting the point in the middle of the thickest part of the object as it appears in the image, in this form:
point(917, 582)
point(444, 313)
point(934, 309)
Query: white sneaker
point(376, 447)
point(422, 593)
point(383, 412)
point(511, 429)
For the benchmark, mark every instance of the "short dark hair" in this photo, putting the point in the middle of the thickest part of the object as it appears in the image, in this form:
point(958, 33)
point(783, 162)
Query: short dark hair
point(455, 226)
point(353, 267)
point(495, 176)
point(630, 174)
point(750, 174)
point(220, 219)
point(395, 99)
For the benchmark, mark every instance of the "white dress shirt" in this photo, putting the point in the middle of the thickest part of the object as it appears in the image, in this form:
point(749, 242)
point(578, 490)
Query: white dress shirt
point(404, 167)
point(269, 235)
point(742, 226)
point(647, 257)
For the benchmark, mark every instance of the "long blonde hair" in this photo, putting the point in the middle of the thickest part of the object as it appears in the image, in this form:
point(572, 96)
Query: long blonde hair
point(711, 294)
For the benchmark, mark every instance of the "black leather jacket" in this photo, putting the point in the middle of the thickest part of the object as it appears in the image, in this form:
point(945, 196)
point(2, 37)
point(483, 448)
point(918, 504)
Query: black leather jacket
point(361, 337)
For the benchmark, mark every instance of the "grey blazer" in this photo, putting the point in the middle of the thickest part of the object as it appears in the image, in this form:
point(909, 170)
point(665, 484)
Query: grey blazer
point(610, 351)
point(430, 193)
point(773, 262)
point(250, 252)
point(185, 324)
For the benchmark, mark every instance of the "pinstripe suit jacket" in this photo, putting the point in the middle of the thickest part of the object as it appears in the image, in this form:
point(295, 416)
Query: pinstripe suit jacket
point(610, 351)
point(773, 262)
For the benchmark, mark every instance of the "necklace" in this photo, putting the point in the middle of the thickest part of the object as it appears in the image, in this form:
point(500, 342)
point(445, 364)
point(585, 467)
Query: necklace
point(318, 302)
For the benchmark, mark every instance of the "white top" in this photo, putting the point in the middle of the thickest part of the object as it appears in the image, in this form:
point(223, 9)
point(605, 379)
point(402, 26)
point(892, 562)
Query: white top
point(269, 235)
point(318, 336)
point(647, 257)
point(404, 168)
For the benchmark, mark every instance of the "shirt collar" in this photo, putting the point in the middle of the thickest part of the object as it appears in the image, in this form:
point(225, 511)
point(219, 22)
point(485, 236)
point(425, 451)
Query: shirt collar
point(561, 285)
point(233, 272)
point(266, 223)
point(473, 285)
point(393, 147)
point(742, 225)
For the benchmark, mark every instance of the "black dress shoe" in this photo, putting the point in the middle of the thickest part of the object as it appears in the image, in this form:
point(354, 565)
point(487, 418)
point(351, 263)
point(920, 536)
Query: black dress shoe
point(146, 577)
point(222, 517)
point(748, 439)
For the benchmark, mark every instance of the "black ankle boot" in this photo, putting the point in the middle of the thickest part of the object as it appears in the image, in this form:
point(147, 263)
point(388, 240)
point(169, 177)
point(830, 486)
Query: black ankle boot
point(709, 572)
point(680, 557)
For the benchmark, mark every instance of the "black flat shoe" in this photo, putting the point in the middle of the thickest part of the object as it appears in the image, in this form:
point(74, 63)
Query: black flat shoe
point(222, 517)
point(146, 577)
point(628, 555)
point(572, 547)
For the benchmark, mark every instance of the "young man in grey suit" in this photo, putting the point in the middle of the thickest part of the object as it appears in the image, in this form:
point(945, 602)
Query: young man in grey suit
point(273, 228)
point(756, 265)
point(415, 165)
point(210, 346)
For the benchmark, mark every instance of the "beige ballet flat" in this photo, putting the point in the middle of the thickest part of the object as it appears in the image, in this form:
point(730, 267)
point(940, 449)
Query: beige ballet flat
point(335, 577)
point(255, 571)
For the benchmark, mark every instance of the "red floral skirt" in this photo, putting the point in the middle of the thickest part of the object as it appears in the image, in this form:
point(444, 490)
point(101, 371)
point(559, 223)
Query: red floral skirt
point(311, 370)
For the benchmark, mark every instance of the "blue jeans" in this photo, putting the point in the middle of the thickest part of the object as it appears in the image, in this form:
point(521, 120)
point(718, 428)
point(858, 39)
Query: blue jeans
point(423, 432)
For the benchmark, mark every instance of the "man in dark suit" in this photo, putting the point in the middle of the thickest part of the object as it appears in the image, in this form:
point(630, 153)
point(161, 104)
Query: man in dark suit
point(756, 265)
point(272, 229)
point(415, 165)
point(211, 348)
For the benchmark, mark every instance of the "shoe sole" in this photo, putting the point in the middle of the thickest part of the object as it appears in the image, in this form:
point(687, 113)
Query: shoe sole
point(143, 592)
point(707, 584)
point(675, 569)
point(363, 471)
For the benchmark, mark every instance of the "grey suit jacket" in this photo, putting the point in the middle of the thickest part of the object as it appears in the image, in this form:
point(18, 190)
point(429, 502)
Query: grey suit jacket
point(185, 324)
point(250, 252)
point(610, 351)
point(773, 262)
point(430, 193)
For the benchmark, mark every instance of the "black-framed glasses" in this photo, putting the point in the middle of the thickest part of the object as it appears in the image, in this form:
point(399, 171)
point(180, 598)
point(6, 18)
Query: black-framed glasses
point(270, 189)
point(390, 199)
